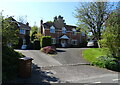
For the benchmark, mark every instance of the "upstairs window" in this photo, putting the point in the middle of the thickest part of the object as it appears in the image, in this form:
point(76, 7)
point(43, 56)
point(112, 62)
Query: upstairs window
point(64, 30)
point(22, 31)
point(73, 31)
point(52, 29)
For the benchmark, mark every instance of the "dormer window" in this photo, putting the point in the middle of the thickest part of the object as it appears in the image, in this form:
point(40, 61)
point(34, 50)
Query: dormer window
point(64, 30)
point(52, 29)
point(73, 31)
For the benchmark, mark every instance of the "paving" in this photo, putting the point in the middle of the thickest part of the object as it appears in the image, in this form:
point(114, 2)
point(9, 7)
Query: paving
point(67, 66)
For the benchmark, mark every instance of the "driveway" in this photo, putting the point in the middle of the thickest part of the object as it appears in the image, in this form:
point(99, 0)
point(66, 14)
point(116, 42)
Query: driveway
point(68, 66)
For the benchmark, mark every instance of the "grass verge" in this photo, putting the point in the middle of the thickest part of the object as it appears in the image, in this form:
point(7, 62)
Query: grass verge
point(92, 53)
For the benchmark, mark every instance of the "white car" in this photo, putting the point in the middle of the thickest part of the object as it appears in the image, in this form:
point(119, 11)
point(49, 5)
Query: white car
point(92, 43)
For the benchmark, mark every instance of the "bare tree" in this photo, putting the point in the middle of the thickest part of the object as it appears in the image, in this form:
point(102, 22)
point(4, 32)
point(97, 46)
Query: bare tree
point(92, 15)
point(23, 19)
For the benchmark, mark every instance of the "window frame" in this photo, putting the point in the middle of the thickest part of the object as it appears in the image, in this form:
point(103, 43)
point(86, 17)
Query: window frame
point(52, 29)
point(53, 41)
point(22, 31)
point(72, 42)
point(74, 31)
point(64, 30)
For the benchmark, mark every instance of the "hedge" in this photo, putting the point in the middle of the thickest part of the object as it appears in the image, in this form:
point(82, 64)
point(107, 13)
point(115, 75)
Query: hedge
point(9, 63)
point(36, 44)
point(45, 41)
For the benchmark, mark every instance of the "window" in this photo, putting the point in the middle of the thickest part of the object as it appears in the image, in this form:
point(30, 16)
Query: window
point(74, 42)
point(53, 41)
point(64, 30)
point(22, 31)
point(52, 29)
point(73, 31)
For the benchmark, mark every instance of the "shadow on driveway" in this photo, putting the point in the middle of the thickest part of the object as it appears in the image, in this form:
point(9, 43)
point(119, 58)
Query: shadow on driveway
point(60, 50)
point(38, 77)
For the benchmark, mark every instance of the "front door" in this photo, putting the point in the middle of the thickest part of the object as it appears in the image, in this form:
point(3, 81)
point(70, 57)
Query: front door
point(63, 43)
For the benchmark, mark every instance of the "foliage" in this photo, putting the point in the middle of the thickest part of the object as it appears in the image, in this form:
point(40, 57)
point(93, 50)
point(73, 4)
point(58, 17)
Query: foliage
point(33, 35)
point(102, 43)
point(49, 22)
point(37, 44)
point(27, 38)
point(33, 29)
point(9, 63)
point(107, 62)
point(19, 45)
point(38, 36)
point(99, 57)
point(9, 31)
point(45, 41)
point(48, 49)
point(91, 17)
point(111, 35)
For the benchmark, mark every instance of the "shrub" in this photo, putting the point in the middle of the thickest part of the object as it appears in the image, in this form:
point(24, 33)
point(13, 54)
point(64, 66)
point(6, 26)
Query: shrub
point(48, 49)
point(45, 41)
point(30, 46)
point(9, 62)
point(102, 43)
point(19, 45)
point(37, 44)
point(27, 37)
point(107, 62)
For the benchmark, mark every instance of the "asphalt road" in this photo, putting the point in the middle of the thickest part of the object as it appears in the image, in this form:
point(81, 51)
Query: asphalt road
point(67, 66)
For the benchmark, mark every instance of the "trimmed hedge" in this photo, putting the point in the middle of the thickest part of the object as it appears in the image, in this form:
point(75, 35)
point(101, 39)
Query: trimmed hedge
point(45, 41)
point(37, 45)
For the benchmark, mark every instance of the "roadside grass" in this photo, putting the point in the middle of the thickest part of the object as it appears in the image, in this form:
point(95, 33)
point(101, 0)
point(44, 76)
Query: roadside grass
point(92, 53)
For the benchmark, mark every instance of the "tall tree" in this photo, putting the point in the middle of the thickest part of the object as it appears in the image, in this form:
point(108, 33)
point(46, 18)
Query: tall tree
point(9, 31)
point(92, 15)
point(111, 35)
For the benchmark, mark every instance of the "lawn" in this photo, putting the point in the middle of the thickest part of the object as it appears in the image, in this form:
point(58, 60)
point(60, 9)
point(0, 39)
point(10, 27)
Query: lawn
point(91, 53)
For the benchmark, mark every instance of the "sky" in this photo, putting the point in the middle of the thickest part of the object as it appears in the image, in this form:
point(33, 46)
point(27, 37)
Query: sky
point(35, 10)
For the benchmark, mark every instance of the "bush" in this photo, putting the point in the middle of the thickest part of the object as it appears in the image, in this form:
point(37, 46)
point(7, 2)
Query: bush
point(27, 37)
point(37, 44)
point(107, 62)
point(49, 49)
point(45, 41)
point(9, 62)
point(30, 46)
point(102, 43)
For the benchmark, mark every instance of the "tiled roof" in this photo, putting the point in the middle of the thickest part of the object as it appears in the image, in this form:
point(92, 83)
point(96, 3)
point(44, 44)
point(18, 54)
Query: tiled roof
point(21, 25)
point(47, 25)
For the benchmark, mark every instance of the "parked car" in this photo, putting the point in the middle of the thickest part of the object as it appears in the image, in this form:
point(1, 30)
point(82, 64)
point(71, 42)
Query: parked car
point(92, 43)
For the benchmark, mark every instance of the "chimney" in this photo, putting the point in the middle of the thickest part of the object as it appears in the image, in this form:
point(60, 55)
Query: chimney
point(41, 26)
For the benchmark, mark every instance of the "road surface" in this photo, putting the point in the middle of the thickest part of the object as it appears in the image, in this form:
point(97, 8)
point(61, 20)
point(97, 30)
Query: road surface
point(68, 66)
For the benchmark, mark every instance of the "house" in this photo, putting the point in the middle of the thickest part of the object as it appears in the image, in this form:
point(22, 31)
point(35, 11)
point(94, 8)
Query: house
point(24, 31)
point(62, 35)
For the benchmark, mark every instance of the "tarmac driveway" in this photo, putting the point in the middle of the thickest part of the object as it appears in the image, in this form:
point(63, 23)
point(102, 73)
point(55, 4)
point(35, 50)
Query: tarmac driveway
point(67, 66)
